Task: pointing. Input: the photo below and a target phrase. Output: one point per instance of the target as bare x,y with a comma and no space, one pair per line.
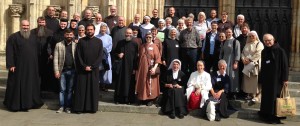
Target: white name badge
229,45
268,61
218,79
115,22
176,46
179,79
150,48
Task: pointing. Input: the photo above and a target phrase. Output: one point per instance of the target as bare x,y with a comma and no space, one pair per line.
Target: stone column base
295,62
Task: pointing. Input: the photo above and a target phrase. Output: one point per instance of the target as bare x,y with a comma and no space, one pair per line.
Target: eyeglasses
148,37
80,30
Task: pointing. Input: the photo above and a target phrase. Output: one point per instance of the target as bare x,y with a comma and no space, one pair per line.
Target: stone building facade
13,11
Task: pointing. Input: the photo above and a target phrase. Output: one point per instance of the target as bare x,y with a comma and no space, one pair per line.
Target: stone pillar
71,8
16,10
229,6
94,9
295,47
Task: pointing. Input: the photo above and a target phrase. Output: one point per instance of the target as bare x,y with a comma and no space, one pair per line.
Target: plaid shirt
59,56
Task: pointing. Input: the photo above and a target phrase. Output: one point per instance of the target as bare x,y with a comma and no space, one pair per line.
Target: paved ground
45,117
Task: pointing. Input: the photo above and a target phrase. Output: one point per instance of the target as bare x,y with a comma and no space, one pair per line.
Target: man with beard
126,53
64,69
88,57
43,34
23,88
57,37
87,18
117,34
51,22
112,19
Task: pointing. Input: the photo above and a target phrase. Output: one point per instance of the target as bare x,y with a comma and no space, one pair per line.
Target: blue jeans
66,87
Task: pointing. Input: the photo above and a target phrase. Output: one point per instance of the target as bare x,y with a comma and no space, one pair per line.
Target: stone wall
13,11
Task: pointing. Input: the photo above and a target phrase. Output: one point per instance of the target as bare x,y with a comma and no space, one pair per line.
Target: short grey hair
81,26
240,16
191,15
180,21
168,18
222,62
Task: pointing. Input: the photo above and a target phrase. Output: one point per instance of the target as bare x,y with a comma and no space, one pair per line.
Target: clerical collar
220,73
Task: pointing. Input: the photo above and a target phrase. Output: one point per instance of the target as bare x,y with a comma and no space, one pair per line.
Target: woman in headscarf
199,83
146,27
147,79
106,73
170,48
251,57
174,100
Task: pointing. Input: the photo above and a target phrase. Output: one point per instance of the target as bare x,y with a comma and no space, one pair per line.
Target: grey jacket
59,55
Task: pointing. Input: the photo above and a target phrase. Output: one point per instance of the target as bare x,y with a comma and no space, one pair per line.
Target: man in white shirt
240,19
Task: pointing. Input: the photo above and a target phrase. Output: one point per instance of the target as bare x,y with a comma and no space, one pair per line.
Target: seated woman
173,100
220,81
199,83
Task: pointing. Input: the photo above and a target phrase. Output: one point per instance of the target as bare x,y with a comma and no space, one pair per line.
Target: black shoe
180,116
150,103
128,103
217,119
116,103
172,116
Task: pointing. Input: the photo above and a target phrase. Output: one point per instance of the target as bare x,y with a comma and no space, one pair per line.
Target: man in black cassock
126,54
88,57
87,18
112,19
51,21
273,76
43,35
117,34
23,87
52,83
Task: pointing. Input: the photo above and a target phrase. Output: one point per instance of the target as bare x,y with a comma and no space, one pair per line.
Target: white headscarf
255,34
171,64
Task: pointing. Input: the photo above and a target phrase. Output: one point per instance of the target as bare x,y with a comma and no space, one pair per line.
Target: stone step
294,92
106,105
294,85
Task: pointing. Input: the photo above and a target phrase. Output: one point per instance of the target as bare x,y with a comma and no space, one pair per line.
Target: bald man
23,85
98,22
88,14
273,76
51,21
112,19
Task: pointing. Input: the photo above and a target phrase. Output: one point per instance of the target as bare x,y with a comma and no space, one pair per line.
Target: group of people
178,57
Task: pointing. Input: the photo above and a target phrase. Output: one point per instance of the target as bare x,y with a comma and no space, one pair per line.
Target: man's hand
12,69
50,57
198,92
57,75
88,68
121,55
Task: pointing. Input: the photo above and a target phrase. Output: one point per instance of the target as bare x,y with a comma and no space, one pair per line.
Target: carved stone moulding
16,9
94,9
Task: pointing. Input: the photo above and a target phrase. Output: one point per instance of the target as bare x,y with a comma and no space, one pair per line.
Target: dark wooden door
268,16
184,7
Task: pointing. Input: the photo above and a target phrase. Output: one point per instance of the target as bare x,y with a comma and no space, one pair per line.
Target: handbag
194,101
157,70
285,105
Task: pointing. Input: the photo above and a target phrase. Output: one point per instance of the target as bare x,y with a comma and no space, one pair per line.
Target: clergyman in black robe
88,57
273,76
51,21
43,35
52,83
126,55
23,87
